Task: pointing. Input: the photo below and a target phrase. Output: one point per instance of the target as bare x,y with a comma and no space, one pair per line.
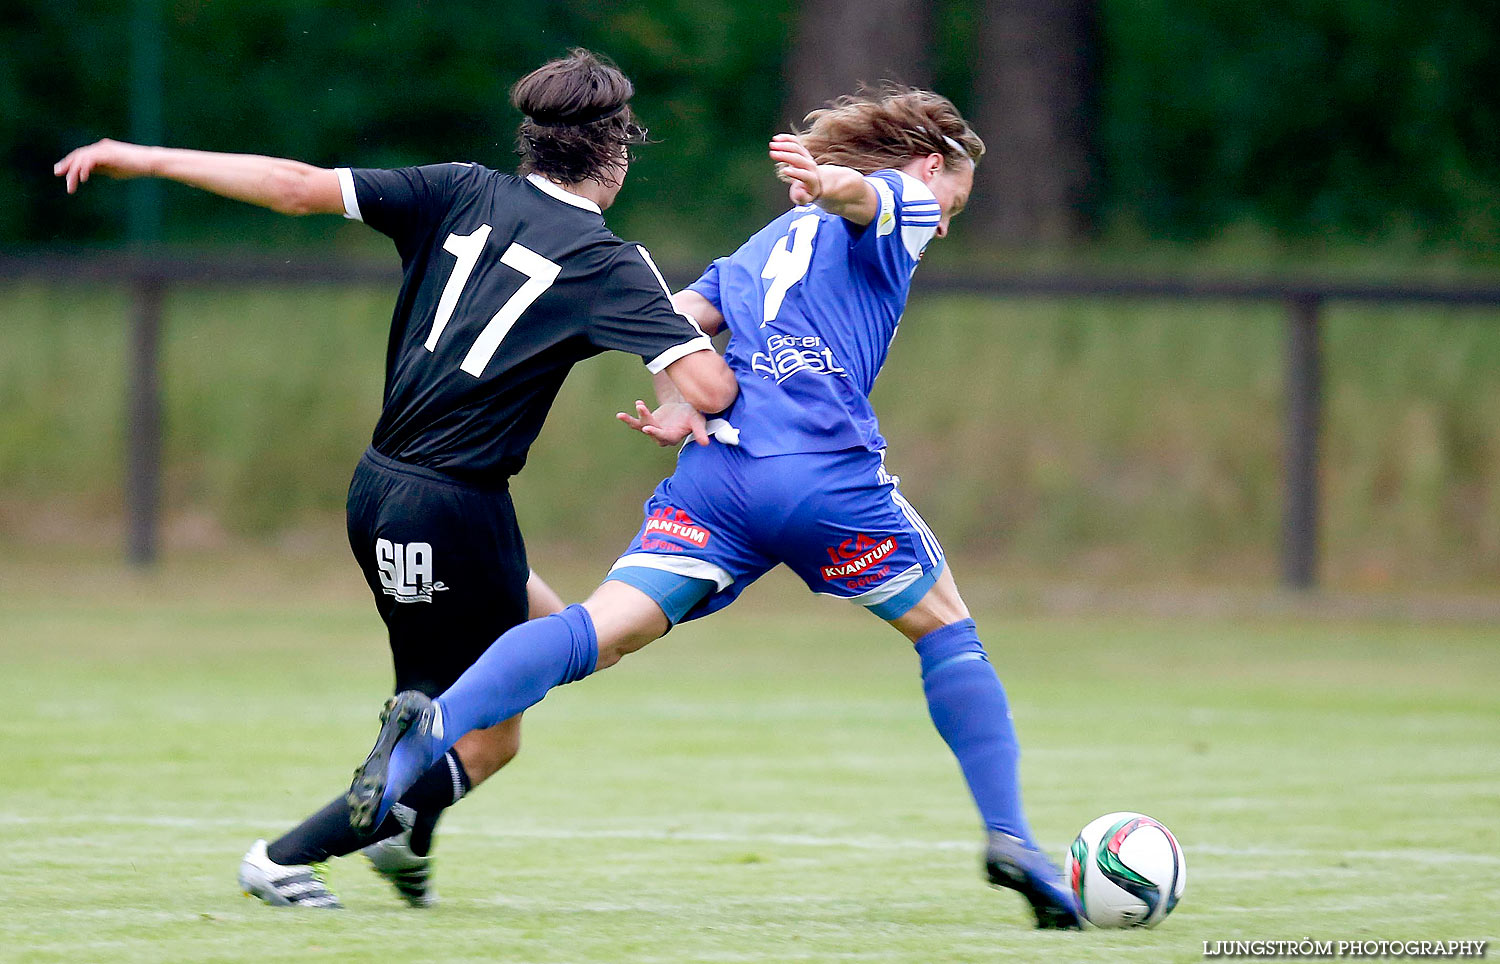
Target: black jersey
508,282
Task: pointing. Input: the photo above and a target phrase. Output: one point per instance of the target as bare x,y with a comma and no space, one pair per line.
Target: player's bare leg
541,599
625,621
401,849
942,606
404,860
516,672
970,710
485,752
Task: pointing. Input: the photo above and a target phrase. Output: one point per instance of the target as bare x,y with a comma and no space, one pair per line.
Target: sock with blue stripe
514,673
969,708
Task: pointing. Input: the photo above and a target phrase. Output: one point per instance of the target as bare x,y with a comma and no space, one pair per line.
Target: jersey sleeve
907,219
634,313
707,285
404,202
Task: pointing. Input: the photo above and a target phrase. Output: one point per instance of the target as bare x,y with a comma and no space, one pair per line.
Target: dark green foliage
382,83
1321,118
1344,119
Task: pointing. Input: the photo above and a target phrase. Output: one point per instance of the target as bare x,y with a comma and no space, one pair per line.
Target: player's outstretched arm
837,190
286,186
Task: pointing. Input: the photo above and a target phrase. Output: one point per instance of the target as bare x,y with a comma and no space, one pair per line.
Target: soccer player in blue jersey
795,473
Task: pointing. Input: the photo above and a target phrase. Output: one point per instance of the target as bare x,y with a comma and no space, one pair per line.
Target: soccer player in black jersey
509,280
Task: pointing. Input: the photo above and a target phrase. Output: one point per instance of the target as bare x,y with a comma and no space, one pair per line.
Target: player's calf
485,752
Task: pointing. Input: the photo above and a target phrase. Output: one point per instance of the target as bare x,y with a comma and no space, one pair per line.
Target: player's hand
115,158
795,165
669,424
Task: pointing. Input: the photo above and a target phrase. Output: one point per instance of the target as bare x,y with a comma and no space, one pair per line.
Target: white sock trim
456,774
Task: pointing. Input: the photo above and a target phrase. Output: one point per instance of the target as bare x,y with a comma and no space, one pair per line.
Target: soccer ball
1126,871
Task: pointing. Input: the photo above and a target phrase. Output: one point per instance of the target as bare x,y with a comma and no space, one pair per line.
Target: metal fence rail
149,278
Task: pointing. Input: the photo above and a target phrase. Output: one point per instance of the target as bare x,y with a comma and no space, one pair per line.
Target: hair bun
549,118
578,125
581,88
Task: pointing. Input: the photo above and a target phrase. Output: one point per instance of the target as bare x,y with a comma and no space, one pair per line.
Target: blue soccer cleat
377,784
1011,862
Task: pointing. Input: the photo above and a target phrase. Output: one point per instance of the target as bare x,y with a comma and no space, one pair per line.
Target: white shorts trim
930,544
886,590
678,565
929,541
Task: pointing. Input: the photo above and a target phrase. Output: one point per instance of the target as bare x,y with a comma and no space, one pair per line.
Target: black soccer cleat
1009,862
367,790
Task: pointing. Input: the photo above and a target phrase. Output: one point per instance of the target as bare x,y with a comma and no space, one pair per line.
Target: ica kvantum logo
406,571
675,523
853,556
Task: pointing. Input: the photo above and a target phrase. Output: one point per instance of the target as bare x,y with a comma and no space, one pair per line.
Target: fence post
143,431
143,404
1304,396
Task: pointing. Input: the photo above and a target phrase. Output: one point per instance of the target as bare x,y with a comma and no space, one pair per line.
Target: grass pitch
763,786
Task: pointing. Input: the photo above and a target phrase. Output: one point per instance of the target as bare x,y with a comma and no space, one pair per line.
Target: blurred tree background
1119,438
1360,120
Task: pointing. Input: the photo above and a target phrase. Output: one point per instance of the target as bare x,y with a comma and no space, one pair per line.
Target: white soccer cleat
408,872
294,885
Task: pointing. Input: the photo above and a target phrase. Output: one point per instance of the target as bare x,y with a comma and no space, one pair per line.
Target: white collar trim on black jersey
562,194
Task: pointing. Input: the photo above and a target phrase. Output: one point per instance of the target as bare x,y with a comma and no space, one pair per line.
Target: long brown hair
888,126
578,120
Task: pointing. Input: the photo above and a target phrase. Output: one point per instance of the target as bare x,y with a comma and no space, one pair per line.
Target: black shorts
445,562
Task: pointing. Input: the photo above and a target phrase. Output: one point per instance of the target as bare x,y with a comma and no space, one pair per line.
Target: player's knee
941,606
625,620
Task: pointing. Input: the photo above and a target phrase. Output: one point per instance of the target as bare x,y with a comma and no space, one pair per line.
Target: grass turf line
760,788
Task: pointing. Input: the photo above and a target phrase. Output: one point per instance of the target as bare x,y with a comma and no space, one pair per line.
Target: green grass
1124,439
763,786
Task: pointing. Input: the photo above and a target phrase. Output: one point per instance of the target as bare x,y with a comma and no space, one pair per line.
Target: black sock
443,785
327,833
428,800
421,832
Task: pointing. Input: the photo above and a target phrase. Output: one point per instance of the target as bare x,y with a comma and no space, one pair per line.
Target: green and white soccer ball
1126,871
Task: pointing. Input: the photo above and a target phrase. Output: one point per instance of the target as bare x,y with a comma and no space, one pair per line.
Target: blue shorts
725,518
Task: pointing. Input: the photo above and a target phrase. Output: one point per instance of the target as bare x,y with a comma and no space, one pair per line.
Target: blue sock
969,708
514,673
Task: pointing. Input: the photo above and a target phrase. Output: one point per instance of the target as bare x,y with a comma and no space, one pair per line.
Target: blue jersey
812,302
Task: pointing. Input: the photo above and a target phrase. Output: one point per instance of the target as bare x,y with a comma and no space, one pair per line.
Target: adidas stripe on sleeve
906,221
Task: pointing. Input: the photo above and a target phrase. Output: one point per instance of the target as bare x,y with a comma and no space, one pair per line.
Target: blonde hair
888,127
